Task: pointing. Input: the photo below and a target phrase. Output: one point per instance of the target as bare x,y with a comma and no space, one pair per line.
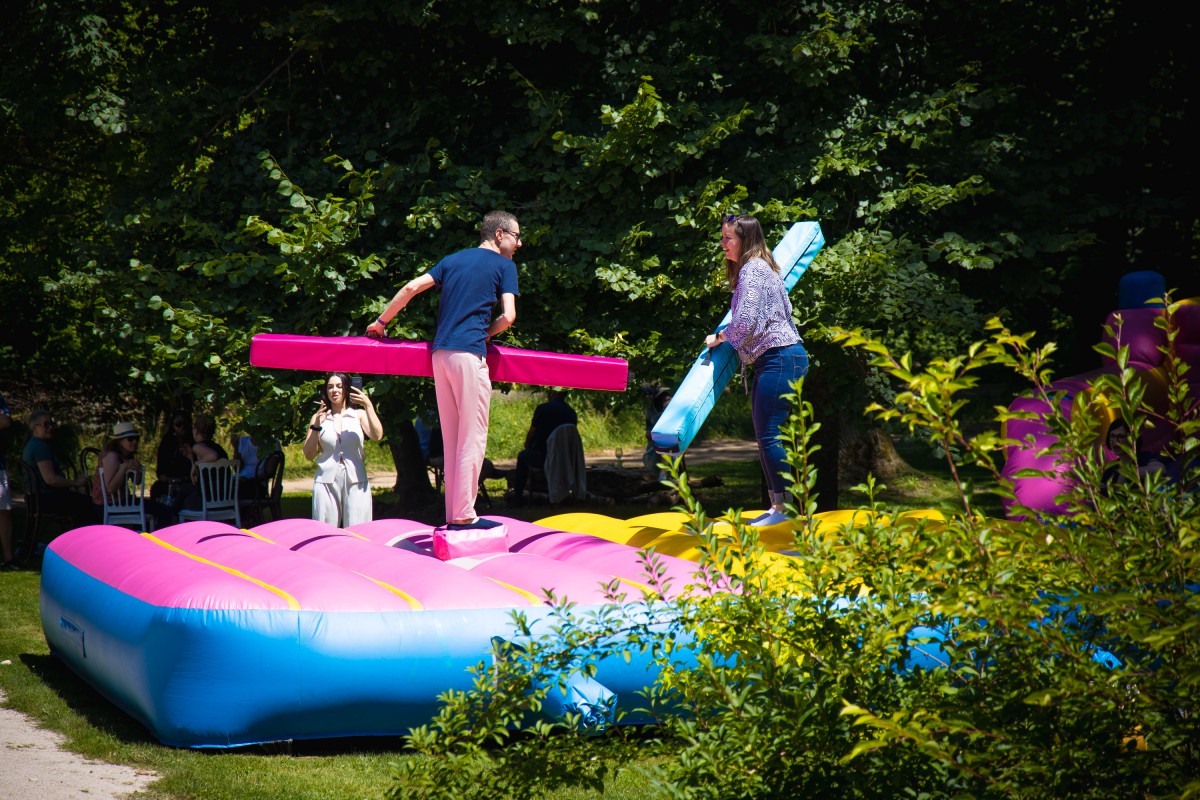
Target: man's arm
407,292
508,315
46,468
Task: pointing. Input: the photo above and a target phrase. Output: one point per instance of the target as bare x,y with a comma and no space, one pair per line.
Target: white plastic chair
126,507
218,493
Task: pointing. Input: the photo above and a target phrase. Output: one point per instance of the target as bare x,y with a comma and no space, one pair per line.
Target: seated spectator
660,396
250,465
430,441
1116,441
118,459
202,450
6,545
173,468
54,489
546,417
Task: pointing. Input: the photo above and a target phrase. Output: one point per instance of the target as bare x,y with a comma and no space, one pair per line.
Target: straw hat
124,430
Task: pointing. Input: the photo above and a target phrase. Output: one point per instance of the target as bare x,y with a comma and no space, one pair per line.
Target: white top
341,444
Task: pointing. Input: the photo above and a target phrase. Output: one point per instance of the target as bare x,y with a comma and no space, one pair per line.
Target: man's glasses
516,235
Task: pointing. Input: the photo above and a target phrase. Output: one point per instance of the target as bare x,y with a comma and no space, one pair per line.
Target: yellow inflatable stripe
292,602
530,596
413,602
639,586
258,536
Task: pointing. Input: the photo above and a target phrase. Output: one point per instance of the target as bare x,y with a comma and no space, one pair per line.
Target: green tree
963,161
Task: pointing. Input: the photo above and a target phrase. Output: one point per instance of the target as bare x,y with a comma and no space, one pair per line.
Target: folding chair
126,507
218,493
36,514
88,458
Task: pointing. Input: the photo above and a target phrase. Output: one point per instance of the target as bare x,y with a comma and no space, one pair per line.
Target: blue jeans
773,371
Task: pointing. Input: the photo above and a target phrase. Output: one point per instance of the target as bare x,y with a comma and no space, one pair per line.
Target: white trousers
342,503
464,397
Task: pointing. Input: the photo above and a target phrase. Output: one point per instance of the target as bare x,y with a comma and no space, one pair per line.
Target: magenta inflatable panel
1137,330
400,357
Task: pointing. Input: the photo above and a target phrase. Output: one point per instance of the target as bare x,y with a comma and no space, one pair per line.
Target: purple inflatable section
1136,329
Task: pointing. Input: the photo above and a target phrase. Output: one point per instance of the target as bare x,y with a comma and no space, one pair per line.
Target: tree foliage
183,177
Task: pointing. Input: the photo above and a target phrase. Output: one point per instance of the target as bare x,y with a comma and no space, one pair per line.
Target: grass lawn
38,685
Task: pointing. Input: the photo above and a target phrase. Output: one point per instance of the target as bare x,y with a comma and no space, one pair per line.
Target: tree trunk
872,452
827,412
412,488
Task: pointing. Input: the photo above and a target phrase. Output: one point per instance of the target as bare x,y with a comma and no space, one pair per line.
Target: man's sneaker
479,524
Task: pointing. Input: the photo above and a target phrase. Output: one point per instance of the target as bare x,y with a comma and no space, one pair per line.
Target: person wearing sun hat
117,460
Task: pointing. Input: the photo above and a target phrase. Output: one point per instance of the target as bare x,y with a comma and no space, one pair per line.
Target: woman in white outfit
335,439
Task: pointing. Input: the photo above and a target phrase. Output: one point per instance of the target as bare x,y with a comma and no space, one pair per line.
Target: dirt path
700,453
34,767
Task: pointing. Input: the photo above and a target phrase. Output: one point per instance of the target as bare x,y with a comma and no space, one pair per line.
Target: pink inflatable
1137,331
399,357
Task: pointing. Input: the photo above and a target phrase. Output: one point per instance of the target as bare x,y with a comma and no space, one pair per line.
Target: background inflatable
1134,327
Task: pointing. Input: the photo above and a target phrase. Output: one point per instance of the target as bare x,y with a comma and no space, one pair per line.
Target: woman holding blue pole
765,338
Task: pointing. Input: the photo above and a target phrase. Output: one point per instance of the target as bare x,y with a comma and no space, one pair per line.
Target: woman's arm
114,472
312,441
367,417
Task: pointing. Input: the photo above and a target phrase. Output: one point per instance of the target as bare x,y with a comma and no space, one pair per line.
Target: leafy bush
899,657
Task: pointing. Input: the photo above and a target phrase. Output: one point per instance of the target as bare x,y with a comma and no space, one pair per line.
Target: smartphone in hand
356,381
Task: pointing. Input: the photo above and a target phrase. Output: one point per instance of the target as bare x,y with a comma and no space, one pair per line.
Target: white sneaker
769,519
759,518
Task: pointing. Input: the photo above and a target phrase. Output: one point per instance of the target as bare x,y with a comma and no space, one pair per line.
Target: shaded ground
705,452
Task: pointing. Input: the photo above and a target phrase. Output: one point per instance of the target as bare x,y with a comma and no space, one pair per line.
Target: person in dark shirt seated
55,490
173,468
546,417
1117,443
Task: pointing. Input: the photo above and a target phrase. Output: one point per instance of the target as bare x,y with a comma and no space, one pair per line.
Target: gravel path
34,767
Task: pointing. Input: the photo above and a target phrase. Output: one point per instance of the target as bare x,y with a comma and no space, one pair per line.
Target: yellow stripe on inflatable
639,586
528,595
413,602
292,602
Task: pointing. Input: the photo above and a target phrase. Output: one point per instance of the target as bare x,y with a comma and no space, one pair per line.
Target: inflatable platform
215,637
712,369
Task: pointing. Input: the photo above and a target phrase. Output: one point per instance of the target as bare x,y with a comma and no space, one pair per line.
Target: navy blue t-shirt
471,282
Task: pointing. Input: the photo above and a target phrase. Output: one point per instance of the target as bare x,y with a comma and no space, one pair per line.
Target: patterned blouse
762,313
